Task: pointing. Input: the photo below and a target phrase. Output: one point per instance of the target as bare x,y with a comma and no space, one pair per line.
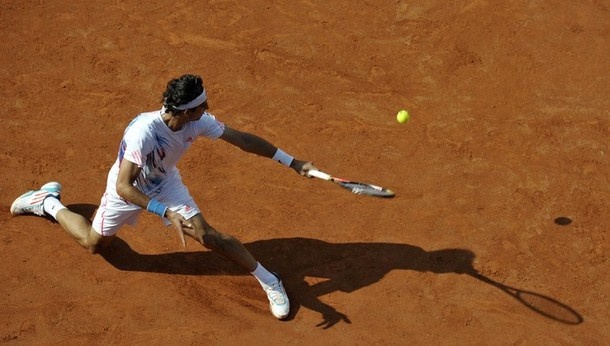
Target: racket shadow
541,304
312,268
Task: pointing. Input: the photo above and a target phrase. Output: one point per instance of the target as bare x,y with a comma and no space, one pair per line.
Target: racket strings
367,189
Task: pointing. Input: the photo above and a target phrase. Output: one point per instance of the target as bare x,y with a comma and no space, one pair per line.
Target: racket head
365,189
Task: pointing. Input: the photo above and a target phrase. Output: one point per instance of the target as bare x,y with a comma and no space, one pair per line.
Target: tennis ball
402,116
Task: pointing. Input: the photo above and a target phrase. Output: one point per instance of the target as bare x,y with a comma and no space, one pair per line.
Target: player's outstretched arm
254,144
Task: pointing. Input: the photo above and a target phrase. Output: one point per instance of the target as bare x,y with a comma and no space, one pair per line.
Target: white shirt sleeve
209,126
136,146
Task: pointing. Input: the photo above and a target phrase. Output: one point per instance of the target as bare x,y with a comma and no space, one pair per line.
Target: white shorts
114,211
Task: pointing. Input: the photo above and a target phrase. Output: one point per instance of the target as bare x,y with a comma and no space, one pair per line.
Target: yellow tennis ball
402,116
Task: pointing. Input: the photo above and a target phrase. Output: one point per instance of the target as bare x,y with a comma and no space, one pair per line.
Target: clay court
501,175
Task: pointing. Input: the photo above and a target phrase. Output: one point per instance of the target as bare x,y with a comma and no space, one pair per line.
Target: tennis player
144,176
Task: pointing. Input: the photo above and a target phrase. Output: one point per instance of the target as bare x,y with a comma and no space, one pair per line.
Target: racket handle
320,175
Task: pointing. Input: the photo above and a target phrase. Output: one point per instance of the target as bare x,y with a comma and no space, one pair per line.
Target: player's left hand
179,223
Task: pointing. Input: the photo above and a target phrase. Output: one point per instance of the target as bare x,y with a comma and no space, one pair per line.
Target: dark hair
182,90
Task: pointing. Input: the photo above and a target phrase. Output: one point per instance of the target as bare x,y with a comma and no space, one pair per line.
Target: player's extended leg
224,244
46,201
234,250
81,230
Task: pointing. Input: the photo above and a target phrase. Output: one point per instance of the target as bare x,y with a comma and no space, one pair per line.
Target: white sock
52,206
263,275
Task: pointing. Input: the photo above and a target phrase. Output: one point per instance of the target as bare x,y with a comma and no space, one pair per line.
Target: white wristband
282,158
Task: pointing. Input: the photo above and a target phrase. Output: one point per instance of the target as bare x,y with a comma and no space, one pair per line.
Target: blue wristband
156,207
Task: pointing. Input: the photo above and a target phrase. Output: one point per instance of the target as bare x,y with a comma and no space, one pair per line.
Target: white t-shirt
155,148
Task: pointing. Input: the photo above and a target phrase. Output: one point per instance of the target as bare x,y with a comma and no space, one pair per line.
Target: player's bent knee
210,240
97,242
216,241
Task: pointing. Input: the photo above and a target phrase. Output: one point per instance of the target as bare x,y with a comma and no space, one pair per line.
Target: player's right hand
302,167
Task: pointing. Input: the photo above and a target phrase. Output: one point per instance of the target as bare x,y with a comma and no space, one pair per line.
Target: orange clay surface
509,130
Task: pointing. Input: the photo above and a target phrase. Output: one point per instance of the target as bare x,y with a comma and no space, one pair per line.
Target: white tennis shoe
278,299
31,202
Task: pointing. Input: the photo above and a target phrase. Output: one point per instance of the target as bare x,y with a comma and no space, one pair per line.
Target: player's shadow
84,209
344,267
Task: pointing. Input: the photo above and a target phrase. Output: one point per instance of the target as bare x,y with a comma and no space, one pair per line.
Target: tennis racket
354,186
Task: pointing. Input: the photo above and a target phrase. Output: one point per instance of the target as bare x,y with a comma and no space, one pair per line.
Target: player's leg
82,231
224,244
46,201
177,197
233,249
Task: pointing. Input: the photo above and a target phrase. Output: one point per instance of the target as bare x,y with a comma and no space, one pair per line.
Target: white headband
196,102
